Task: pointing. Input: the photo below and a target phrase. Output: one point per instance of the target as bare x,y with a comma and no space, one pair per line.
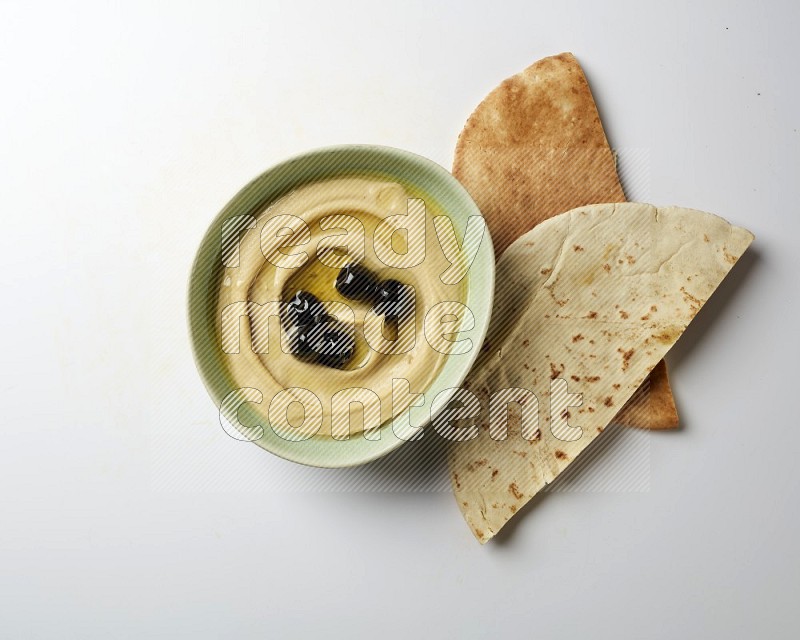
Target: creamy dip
300,242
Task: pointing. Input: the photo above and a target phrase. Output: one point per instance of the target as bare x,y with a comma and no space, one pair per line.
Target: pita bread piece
588,303
534,148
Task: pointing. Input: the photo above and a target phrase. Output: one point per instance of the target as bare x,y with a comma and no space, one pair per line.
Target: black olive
326,343
334,347
301,344
394,300
356,282
303,309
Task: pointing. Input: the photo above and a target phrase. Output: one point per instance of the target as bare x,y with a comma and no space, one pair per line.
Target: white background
128,513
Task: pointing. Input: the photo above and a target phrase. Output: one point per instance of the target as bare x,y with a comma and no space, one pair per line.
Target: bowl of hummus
338,301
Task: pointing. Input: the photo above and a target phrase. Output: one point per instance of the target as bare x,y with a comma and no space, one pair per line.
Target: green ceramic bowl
419,174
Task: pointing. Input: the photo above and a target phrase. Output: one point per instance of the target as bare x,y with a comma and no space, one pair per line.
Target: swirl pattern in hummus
300,241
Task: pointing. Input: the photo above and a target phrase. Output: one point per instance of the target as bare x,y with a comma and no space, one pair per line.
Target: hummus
300,242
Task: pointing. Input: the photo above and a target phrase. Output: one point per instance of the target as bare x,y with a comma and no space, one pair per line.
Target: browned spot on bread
607,267
668,336
653,308
577,338
514,490
561,455
623,314
525,343
455,478
695,303
576,378
609,401
494,473
592,378
616,385
546,271
646,316
555,372
626,357
577,248
630,259
731,259
591,315
599,429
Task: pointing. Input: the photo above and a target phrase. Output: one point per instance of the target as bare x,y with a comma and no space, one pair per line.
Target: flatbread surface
591,300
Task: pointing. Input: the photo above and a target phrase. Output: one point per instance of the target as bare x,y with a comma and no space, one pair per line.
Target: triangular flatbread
534,148
593,298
